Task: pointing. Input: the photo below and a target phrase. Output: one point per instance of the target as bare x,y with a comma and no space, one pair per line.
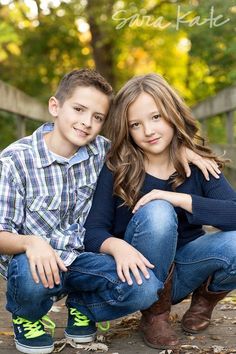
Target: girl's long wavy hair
126,159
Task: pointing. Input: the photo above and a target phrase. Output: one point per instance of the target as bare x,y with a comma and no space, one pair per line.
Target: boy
46,185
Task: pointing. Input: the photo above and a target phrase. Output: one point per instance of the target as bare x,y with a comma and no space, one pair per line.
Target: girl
146,211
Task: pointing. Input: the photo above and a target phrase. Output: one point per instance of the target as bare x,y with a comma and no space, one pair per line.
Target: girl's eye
156,117
134,125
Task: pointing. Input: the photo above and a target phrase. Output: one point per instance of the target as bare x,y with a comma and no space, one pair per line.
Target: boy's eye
78,109
99,118
156,117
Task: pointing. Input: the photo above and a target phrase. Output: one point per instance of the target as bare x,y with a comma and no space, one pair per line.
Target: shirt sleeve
11,200
217,205
99,222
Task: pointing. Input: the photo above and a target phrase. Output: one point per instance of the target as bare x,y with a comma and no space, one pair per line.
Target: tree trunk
99,15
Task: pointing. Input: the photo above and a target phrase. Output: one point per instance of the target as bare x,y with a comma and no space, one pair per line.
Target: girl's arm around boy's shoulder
214,203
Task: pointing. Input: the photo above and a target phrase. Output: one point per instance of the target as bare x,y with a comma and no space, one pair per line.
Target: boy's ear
53,106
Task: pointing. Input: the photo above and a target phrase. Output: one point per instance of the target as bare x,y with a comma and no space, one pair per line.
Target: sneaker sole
34,350
86,338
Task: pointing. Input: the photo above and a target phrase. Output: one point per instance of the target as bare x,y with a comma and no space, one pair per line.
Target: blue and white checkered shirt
44,195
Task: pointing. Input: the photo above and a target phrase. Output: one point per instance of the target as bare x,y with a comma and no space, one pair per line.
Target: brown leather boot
198,316
155,327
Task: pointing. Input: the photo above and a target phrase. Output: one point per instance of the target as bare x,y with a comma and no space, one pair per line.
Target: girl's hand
181,200
205,165
127,259
44,262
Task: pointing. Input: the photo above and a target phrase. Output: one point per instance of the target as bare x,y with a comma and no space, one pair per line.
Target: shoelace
105,328
34,329
83,321
80,319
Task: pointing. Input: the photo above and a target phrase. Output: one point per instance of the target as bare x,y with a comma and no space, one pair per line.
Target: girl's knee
144,295
159,212
158,217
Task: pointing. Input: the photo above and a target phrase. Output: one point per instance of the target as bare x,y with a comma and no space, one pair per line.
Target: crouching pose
47,182
145,208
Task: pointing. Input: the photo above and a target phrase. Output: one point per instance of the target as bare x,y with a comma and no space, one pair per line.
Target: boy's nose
86,121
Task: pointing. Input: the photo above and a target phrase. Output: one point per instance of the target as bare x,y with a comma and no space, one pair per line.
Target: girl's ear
53,106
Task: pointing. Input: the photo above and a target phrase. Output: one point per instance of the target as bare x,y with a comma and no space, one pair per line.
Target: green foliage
8,128
39,44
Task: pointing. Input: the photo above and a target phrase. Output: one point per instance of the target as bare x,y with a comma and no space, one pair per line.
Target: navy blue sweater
213,203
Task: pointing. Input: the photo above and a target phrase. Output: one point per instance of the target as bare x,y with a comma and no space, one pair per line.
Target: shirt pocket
42,202
84,195
43,213
85,192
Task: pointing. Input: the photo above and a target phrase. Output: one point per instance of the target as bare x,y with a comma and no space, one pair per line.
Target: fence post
230,127
20,126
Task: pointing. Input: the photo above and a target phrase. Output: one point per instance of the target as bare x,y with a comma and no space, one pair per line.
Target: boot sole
159,346
193,331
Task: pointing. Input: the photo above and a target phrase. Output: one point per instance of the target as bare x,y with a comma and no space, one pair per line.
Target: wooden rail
23,106
223,103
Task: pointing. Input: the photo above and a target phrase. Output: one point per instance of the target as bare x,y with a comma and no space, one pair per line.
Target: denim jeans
92,286
153,231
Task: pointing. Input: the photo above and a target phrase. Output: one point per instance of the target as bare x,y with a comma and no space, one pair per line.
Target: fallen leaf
189,346
217,348
55,308
3,333
60,345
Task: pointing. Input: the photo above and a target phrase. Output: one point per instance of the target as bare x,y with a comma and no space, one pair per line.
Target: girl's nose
148,131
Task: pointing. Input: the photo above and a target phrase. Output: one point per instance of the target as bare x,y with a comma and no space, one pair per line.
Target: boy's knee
21,284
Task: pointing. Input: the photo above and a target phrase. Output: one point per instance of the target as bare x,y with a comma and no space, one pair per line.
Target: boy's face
78,120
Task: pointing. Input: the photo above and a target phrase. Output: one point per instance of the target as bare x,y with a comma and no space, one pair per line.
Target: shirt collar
45,158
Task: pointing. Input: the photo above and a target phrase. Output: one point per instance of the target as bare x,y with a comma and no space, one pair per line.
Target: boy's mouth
80,132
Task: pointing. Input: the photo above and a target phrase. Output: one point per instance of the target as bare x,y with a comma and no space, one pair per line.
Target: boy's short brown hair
84,78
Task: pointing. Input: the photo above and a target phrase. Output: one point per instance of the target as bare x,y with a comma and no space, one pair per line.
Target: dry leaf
189,346
55,308
5,333
217,348
94,346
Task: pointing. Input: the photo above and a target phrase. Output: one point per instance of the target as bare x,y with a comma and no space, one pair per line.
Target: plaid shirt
43,195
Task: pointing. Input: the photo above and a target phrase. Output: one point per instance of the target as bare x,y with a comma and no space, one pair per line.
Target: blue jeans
153,231
92,286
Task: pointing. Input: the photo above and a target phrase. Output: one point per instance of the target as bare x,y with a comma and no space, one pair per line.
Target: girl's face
151,132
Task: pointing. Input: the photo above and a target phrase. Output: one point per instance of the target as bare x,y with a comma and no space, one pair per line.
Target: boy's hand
127,259
205,165
44,262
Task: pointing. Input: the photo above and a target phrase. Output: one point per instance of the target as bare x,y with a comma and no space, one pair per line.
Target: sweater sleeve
99,222
216,206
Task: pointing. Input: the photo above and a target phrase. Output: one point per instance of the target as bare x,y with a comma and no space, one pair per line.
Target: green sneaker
79,328
30,337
